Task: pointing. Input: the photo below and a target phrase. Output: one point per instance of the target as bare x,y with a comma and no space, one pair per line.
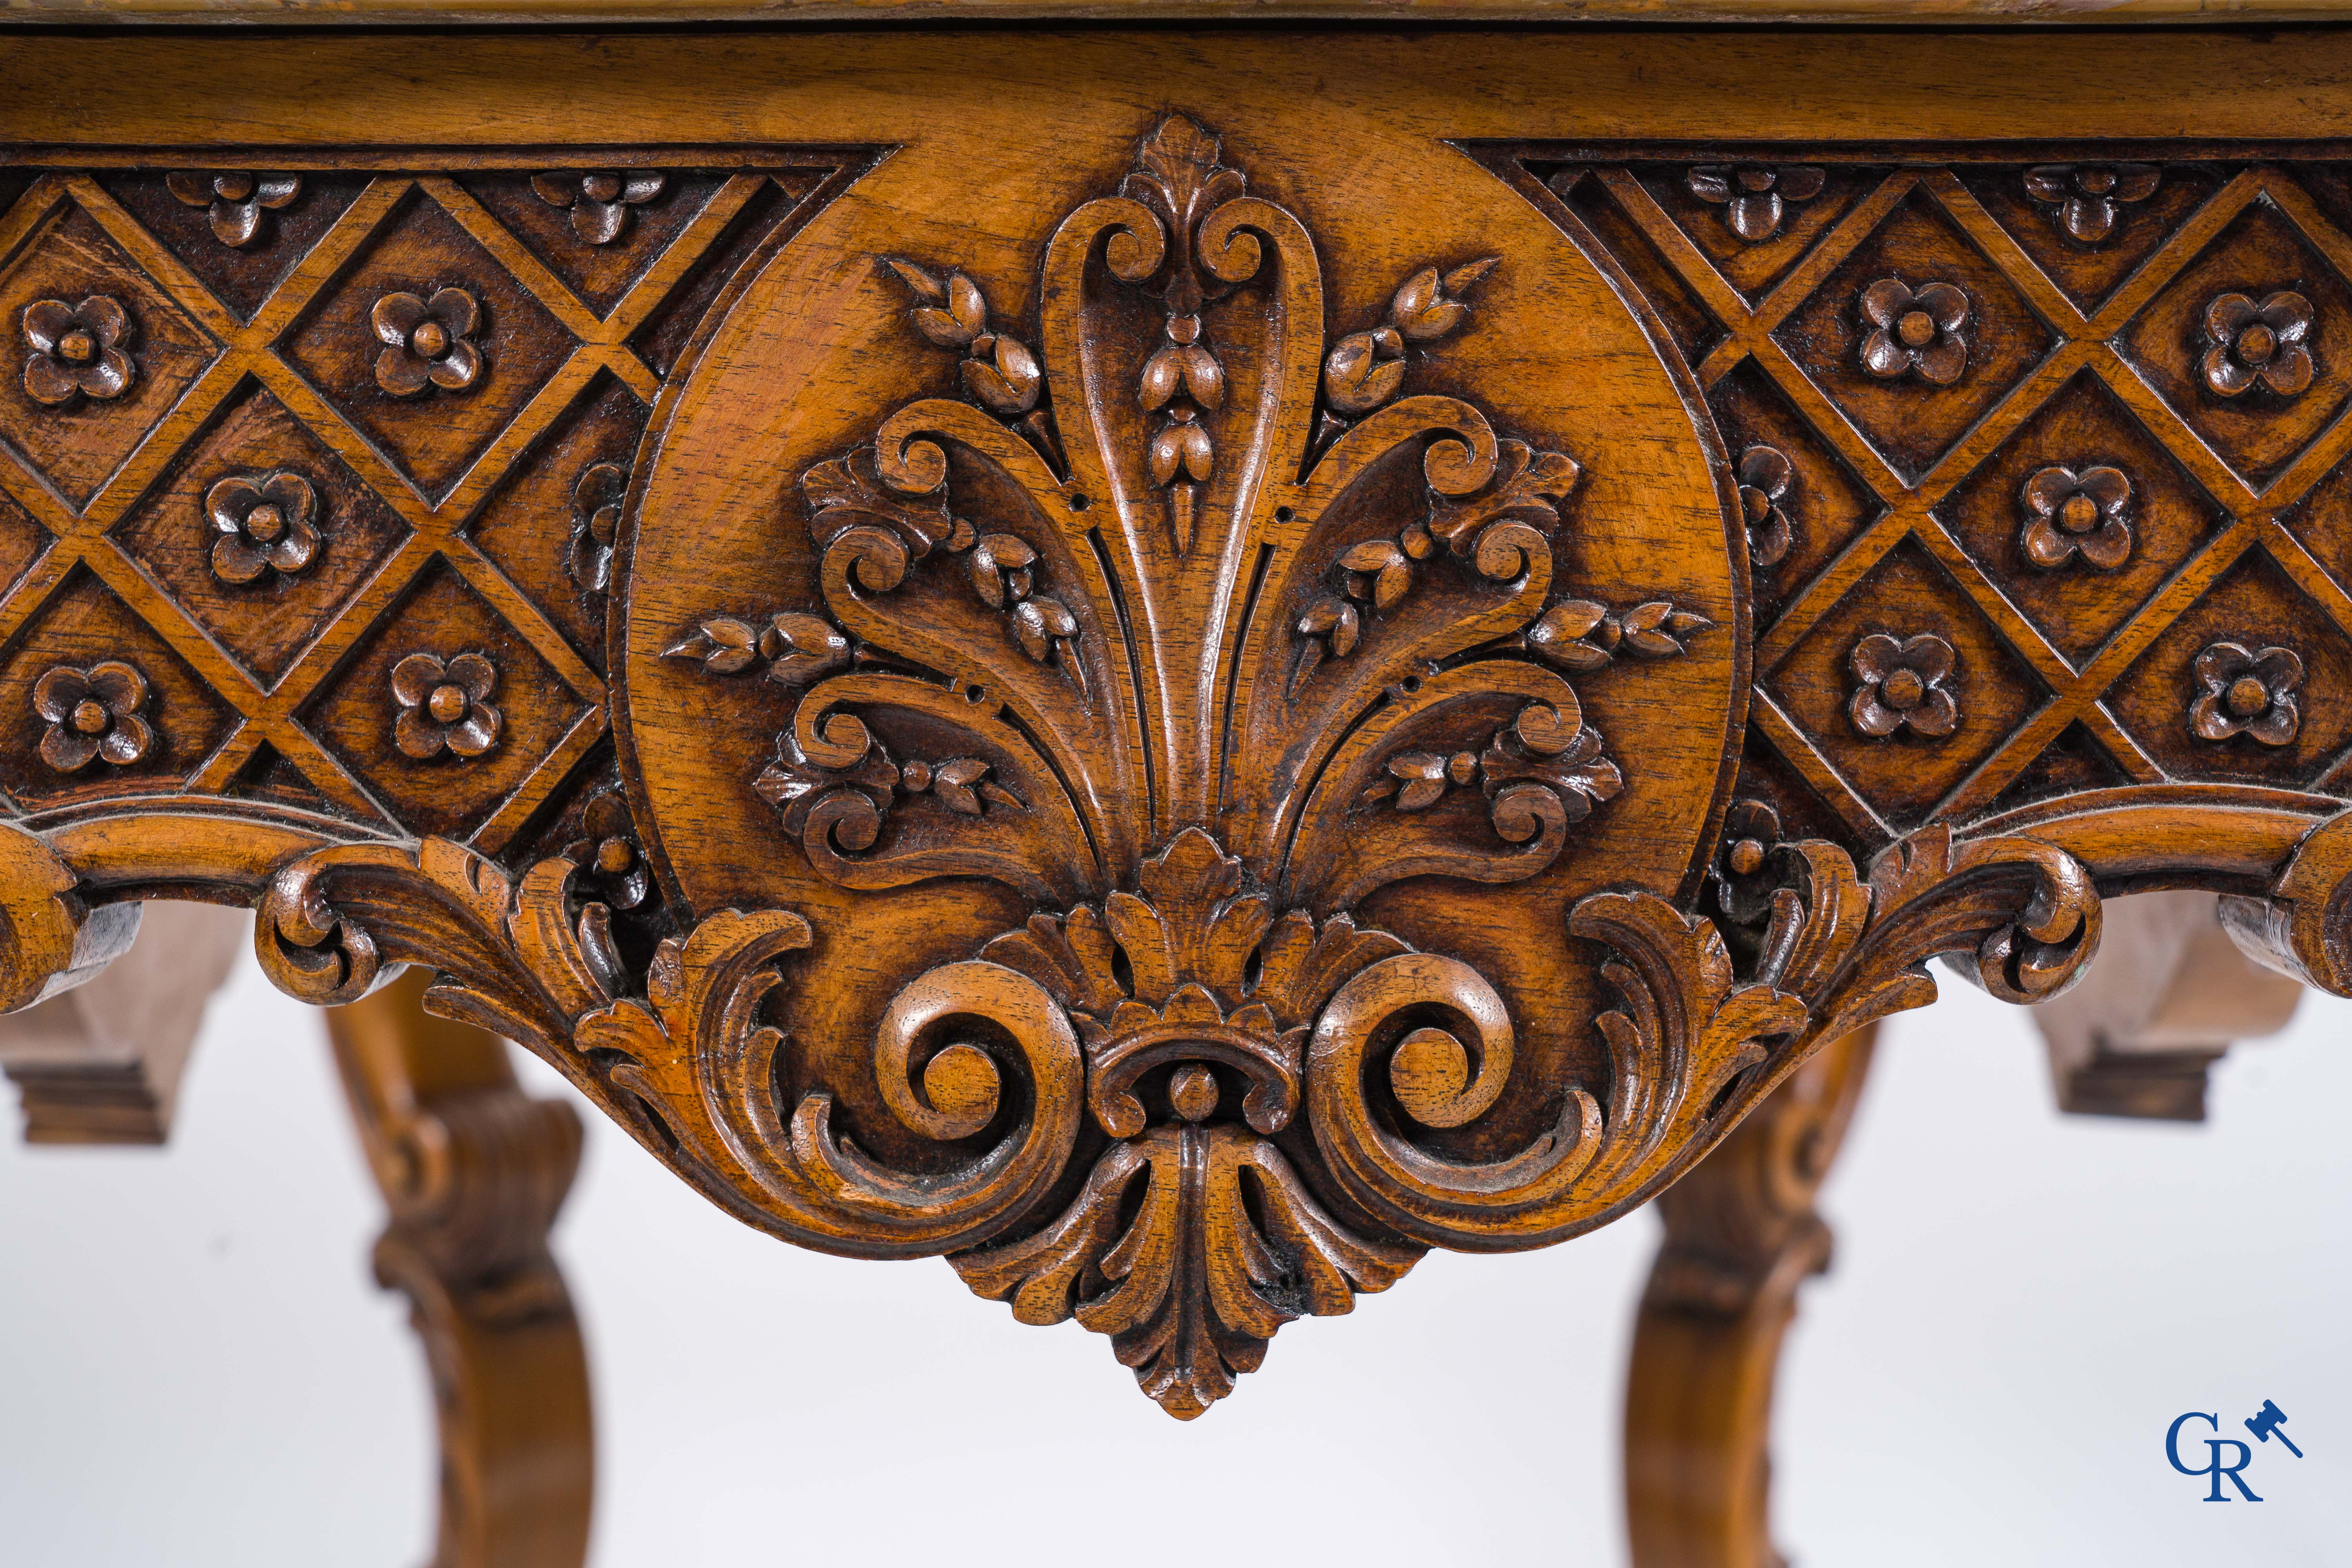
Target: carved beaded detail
595,517
444,706
1905,684
266,523
1752,195
427,342
2248,343
78,349
600,199
236,198
1765,478
2070,515
607,852
1915,332
2241,692
93,713
2085,199
1741,873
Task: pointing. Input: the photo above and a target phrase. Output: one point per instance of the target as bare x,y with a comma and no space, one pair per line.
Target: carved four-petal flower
444,706
600,199
2248,343
2085,197
236,197
595,518
1915,332
1766,476
93,712
2241,692
1905,684
2069,513
1752,195
1741,871
265,522
607,855
427,342
78,349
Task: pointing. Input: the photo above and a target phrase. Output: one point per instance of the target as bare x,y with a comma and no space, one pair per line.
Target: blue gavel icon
2265,1425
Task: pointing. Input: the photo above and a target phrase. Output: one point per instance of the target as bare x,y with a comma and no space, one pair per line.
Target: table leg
1741,1236
473,1171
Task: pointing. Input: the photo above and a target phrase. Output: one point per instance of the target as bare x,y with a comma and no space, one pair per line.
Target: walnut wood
473,1171
1366,648
1741,1237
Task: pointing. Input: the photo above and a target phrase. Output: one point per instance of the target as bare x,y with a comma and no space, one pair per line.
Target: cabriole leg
1741,1236
473,1171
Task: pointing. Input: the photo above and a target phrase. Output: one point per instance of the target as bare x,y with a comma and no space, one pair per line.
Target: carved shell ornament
1180,784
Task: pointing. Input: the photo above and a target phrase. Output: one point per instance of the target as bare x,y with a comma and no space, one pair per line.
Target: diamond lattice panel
264,613
171,723
241,275
2150,509
449,793
2258,428
2254,605
1943,368
2088,227
557,567
434,433
75,443
599,231
1755,221
1902,776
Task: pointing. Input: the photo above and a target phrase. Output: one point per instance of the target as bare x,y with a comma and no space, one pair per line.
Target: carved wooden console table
1172,664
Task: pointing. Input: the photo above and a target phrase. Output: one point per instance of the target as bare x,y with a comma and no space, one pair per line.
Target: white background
195,1368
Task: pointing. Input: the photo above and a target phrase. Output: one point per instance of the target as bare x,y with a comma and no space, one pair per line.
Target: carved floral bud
600,199
1752,195
1915,333
78,349
1180,447
951,314
427,342
1904,684
1765,479
1187,367
1041,625
2069,513
800,648
595,519
2245,693
1741,871
93,713
1000,566
1378,573
236,198
1422,777
1424,310
2085,196
607,854
444,706
265,525
1334,620
1364,370
1008,381
1580,634
2249,344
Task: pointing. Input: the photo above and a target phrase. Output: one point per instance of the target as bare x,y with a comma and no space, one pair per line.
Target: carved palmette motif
1194,1096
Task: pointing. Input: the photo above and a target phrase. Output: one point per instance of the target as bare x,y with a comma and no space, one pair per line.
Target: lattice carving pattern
2082,330
157,525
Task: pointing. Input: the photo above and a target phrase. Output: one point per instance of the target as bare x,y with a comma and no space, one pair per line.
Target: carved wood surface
1181,715
473,1171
